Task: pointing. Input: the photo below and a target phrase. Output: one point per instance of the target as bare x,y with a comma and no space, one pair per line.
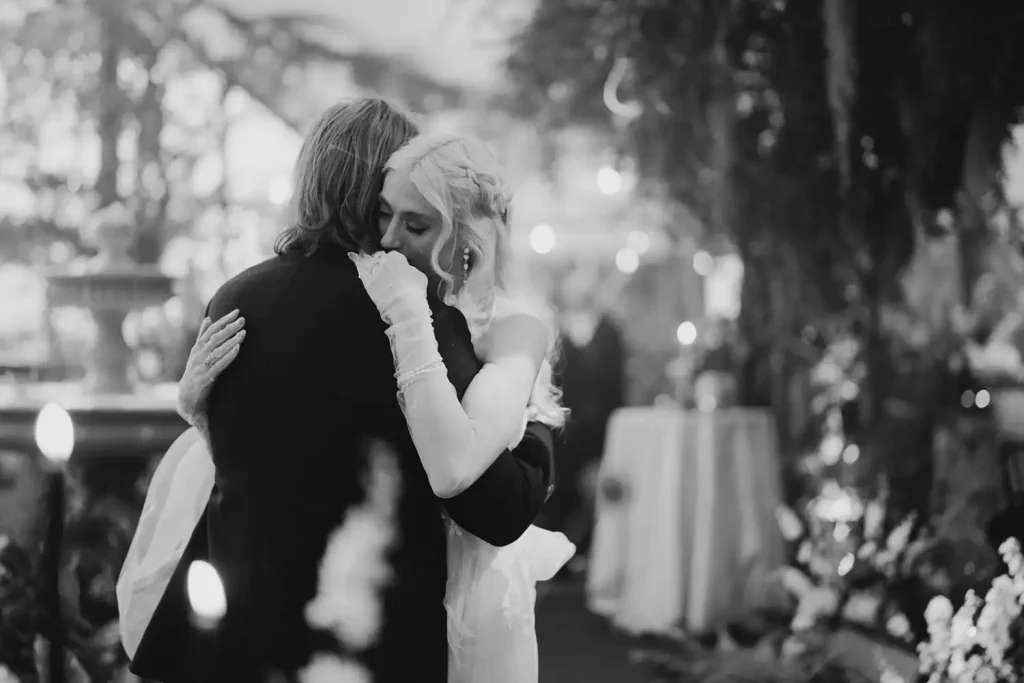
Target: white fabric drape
694,535
177,495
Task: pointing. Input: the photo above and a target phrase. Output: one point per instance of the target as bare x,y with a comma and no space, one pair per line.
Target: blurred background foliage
852,155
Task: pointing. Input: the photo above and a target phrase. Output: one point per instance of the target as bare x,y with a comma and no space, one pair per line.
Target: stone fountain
114,418
119,425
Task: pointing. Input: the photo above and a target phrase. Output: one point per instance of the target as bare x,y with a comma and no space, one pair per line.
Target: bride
444,213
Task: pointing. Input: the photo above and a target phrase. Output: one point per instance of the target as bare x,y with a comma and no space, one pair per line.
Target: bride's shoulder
515,323
506,306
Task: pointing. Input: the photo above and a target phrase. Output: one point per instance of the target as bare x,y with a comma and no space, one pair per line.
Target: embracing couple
388,315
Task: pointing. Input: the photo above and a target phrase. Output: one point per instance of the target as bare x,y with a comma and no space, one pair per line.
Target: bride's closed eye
387,216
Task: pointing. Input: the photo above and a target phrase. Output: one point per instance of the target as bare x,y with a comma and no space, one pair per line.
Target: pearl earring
465,262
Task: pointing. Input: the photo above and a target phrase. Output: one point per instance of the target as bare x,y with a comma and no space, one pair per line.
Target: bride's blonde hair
460,178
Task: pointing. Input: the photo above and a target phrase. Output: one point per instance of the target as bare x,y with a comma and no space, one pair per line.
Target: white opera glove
400,293
437,422
397,289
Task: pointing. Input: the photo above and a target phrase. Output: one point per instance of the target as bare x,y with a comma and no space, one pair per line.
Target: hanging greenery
827,142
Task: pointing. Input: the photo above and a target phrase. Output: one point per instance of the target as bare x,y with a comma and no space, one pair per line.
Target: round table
685,522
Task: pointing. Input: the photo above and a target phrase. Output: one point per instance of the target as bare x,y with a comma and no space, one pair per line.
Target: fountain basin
108,290
109,294
108,427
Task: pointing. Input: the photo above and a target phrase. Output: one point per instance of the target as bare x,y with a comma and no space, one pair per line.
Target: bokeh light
686,333
982,399
280,191
543,239
206,591
627,260
55,433
639,241
609,181
703,263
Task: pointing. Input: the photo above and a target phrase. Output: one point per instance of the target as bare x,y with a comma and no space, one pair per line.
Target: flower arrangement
23,648
97,533
981,642
856,563
353,573
19,614
846,561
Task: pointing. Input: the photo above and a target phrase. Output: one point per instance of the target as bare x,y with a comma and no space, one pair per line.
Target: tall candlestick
54,544
55,438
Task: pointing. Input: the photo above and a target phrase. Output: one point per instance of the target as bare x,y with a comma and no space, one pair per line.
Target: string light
627,260
703,263
609,181
982,399
831,449
686,333
543,239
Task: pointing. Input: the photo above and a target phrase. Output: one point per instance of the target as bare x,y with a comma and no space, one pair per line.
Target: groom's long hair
339,175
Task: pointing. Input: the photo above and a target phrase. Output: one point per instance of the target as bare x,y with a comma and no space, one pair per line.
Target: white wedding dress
490,599
490,594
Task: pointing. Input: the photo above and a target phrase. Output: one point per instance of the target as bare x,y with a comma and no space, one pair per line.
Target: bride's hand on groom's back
216,346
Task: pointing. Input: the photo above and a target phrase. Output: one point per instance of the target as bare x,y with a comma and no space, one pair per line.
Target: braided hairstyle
462,180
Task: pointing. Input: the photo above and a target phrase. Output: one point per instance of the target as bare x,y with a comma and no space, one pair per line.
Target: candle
206,595
209,604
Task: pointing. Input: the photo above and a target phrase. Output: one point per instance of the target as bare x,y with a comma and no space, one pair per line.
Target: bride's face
411,226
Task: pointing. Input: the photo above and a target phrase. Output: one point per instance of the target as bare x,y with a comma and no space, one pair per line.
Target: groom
289,420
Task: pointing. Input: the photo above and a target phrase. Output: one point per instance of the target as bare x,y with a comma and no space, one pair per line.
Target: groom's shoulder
253,279
327,271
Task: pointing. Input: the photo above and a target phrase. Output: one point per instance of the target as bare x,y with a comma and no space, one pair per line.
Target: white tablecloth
693,535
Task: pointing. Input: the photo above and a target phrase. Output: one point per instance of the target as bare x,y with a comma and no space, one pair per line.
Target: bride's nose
390,239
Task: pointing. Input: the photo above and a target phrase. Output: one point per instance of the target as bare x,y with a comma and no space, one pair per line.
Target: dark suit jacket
289,423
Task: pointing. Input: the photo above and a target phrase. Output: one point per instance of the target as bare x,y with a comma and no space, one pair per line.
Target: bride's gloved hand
397,289
216,347
400,293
